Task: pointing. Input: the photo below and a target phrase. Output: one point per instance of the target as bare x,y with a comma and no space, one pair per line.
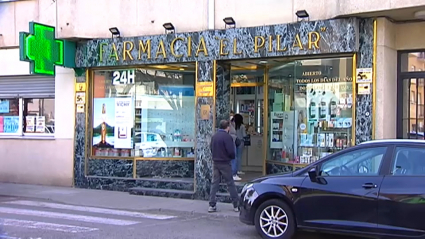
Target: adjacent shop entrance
411,95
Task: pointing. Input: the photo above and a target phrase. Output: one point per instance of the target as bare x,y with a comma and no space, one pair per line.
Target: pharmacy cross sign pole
43,51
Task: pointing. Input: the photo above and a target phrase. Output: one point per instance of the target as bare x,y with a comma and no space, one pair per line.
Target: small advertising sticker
79,87
80,108
41,123
205,112
363,89
80,98
30,121
364,75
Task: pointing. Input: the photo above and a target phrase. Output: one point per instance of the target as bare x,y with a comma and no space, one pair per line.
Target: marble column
204,132
222,101
80,153
364,103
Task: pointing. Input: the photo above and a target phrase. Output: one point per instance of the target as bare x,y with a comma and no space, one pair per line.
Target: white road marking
66,216
90,209
7,237
45,226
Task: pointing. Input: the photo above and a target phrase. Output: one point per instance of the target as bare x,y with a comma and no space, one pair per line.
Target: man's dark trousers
223,169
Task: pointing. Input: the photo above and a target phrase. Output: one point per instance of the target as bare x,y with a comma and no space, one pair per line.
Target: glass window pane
311,109
144,112
406,98
413,61
9,116
243,72
39,116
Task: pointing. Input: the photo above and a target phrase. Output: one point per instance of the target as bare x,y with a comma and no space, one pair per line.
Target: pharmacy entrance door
247,97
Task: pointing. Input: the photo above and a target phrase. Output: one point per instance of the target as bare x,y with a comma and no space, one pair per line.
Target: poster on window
1,124
30,124
123,123
104,122
10,124
41,124
4,107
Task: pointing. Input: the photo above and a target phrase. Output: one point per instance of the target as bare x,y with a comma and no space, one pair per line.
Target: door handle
369,185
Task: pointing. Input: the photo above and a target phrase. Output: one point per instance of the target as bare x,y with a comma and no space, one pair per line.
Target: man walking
223,152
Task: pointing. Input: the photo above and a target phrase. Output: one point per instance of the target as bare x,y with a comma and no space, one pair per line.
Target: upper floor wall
92,19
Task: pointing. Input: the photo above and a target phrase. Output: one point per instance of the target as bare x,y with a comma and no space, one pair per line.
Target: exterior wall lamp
302,14
115,32
169,28
229,22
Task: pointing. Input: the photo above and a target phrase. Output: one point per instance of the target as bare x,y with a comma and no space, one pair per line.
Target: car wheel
274,219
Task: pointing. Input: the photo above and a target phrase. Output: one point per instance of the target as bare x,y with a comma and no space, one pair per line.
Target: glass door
413,108
247,99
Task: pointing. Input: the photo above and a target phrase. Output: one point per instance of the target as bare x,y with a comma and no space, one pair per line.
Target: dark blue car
373,189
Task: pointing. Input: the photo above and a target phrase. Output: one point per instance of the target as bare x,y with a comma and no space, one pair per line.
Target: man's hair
224,124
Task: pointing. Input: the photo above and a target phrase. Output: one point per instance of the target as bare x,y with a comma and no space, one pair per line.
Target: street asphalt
36,212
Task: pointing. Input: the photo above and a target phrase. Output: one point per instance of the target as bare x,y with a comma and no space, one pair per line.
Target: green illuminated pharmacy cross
41,49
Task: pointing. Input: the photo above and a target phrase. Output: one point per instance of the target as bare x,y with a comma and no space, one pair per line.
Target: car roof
394,141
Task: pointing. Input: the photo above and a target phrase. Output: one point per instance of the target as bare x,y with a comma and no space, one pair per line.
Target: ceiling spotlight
229,22
115,32
169,28
302,14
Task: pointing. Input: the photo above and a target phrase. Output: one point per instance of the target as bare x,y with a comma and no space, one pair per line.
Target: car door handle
369,185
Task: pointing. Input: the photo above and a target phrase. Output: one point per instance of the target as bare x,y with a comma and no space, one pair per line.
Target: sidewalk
110,199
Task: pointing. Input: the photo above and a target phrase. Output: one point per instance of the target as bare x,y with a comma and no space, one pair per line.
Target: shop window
145,113
27,117
39,116
310,109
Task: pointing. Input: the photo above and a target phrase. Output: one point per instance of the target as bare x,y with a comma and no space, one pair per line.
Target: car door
345,194
401,205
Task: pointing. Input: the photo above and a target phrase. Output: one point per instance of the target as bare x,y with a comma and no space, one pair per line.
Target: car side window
152,138
359,162
409,161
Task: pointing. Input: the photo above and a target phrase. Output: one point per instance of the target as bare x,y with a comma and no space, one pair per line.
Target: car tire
274,227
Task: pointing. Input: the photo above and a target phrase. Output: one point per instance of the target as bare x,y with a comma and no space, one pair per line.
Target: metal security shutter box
27,87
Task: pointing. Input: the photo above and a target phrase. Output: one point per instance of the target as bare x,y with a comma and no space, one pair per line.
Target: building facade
149,102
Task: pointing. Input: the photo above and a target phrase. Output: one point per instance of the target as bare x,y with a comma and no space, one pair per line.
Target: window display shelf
181,144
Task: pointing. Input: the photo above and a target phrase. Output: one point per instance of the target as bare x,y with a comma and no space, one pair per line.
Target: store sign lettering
325,80
125,77
144,47
123,103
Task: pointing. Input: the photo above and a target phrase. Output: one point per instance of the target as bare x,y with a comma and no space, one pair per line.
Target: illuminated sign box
43,51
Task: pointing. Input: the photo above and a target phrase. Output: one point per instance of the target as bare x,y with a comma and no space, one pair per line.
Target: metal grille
27,87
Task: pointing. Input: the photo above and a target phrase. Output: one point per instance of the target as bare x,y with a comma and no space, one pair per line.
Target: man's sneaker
212,209
237,178
236,209
241,173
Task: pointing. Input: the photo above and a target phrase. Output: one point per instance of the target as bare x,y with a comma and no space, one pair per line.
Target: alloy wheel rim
273,221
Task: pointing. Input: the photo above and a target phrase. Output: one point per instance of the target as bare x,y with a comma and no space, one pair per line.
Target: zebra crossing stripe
66,216
90,209
45,226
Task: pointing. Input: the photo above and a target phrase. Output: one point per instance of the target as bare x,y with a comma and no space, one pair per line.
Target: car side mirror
312,173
